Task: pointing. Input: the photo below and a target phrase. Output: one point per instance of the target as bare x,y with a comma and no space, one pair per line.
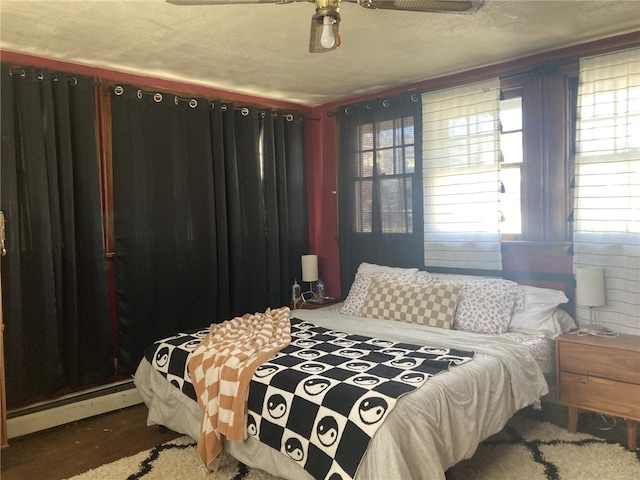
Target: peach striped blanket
221,368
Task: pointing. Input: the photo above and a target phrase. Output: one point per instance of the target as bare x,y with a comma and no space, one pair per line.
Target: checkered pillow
433,304
360,287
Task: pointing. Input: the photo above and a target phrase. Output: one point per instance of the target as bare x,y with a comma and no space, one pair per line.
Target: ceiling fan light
327,40
324,32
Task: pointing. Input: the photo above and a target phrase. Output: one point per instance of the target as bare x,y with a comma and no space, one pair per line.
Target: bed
430,428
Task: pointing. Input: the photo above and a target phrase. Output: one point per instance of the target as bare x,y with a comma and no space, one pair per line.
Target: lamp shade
309,268
590,286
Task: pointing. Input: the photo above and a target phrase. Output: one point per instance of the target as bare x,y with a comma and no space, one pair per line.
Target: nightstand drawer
600,394
615,364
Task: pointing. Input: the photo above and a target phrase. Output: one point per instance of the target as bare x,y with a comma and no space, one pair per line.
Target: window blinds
461,176
607,194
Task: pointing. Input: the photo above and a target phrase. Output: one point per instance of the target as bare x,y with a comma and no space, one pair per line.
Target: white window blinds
461,151
607,184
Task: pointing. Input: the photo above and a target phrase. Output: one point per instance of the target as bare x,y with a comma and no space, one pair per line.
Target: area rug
525,449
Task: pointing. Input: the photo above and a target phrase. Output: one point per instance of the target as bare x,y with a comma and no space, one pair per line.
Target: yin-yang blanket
321,399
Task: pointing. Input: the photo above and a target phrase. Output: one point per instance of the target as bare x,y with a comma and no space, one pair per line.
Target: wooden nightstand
312,306
602,375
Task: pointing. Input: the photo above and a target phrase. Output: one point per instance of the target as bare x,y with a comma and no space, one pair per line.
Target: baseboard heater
71,408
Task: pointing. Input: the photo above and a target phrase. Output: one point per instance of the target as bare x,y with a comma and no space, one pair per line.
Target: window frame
548,124
376,178
515,91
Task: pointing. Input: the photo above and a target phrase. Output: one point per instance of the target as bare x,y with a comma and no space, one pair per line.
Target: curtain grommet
118,90
157,97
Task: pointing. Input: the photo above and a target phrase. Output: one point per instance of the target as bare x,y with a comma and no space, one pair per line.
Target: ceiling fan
324,23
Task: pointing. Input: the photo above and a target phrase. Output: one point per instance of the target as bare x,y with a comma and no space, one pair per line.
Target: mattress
541,348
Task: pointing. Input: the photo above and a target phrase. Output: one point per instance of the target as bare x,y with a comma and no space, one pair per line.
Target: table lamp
310,270
590,290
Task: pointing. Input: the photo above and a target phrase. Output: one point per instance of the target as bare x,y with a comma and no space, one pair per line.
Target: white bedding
428,431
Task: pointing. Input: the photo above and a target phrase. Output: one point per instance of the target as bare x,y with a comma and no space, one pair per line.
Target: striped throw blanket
221,368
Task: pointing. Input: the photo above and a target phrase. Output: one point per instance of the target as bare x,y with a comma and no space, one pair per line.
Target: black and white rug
524,449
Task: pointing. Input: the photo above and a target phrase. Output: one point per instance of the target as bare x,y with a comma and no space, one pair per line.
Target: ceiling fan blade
316,42
438,6
228,2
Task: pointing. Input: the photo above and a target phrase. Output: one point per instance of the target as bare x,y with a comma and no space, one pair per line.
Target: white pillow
540,304
563,321
457,276
369,268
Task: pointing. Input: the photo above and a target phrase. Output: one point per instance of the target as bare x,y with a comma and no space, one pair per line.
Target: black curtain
358,123
203,226
54,274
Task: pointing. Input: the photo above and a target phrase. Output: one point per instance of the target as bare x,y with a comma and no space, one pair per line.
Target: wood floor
68,450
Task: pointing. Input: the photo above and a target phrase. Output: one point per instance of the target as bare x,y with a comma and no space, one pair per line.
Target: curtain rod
23,73
540,67
193,102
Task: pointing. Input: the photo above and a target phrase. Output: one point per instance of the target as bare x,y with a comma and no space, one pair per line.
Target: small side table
300,305
601,375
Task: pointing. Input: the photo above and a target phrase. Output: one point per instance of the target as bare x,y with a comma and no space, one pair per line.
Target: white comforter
428,431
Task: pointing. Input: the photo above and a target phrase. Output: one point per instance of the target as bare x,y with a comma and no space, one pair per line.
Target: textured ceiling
262,49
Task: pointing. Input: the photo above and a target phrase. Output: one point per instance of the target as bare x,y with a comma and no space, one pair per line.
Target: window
380,184
461,165
385,163
536,106
537,113
607,206
511,147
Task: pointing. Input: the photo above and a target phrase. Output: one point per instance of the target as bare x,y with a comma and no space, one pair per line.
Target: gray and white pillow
423,304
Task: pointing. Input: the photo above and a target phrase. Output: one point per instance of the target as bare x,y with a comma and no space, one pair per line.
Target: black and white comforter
322,398
427,432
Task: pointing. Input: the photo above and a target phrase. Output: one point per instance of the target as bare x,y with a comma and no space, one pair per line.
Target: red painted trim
322,196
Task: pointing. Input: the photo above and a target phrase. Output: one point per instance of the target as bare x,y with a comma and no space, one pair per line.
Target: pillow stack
475,304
